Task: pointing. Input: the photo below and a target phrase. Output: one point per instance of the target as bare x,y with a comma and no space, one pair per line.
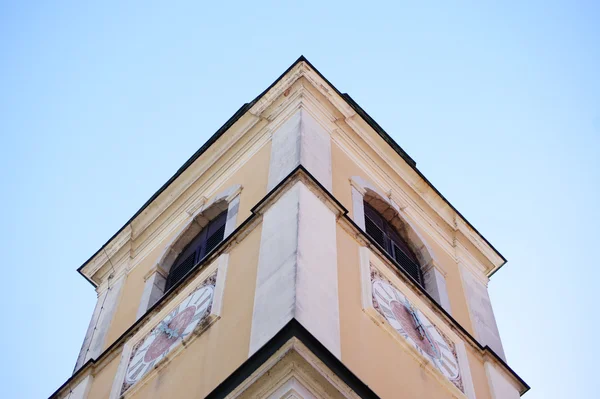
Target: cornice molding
492,260
301,86
142,244
219,149
113,252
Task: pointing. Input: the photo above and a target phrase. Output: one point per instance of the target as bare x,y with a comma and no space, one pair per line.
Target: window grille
384,234
197,249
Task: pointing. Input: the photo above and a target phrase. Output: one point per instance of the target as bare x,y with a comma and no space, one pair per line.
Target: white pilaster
94,341
275,296
300,140
297,270
500,385
81,390
481,312
317,304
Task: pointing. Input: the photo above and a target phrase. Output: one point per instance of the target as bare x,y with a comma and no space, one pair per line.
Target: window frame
392,243
201,213
434,276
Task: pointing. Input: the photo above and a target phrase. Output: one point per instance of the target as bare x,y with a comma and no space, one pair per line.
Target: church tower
299,253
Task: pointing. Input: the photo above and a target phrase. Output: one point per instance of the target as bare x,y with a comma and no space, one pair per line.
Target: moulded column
95,337
297,270
481,312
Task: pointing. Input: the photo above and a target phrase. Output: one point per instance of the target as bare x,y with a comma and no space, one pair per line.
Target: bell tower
299,253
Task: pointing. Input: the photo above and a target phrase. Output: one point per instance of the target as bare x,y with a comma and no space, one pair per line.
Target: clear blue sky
499,105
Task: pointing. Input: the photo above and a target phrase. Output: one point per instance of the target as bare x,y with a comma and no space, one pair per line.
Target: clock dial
446,358
170,331
416,328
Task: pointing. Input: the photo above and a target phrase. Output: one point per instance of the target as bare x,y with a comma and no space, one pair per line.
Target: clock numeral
188,301
442,345
387,312
450,371
197,316
132,366
202,296
389,290
133,376
378,294
206,298
452,362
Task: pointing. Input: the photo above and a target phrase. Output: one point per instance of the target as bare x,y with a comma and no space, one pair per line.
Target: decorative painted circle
164,340
404,316
170,331
446,360
416,328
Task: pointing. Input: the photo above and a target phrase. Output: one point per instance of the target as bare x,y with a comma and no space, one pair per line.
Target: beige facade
297,301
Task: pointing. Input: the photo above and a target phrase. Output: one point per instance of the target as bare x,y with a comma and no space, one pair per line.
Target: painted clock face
170,331
416,328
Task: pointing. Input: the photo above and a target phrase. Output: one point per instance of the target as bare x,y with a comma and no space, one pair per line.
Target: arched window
200,246
389,239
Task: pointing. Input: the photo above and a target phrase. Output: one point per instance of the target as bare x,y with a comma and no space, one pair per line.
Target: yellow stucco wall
223,347
344,168
253,178
480,381
103,379
366,349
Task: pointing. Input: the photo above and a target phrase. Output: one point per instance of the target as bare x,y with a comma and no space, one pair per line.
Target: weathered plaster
500,385
301,140
481,312
106,305
154,289
297,270
435,283
81,390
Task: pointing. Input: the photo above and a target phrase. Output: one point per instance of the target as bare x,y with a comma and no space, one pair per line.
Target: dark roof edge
234,118
241,111
400,151
388,139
